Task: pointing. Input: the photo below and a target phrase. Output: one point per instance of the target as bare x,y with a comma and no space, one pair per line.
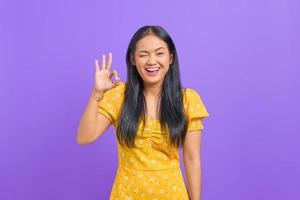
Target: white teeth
152,69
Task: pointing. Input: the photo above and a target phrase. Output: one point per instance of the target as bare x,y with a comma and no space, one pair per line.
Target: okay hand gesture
103,76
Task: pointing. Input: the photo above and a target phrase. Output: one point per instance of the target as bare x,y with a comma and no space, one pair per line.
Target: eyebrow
144,51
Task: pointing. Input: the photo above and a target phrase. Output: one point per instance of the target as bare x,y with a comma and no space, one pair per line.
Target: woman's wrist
97,95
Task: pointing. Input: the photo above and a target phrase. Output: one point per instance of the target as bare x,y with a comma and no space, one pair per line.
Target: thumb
115,74
116,82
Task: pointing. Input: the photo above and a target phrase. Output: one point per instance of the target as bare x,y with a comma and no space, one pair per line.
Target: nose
151,60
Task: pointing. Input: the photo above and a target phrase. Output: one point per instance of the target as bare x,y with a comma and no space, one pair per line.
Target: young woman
153,117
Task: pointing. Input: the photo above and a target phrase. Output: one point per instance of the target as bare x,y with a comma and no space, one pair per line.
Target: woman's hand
103,76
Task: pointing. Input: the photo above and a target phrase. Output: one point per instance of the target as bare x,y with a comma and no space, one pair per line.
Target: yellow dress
152,170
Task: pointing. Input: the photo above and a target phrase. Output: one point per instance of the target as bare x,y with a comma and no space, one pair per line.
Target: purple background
242,56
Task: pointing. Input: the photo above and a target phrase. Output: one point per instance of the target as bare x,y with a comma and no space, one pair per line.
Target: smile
152,71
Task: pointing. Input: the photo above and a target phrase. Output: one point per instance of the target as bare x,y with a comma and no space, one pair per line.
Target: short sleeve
195,110
111,102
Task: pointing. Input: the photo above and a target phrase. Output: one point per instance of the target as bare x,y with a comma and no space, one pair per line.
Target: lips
152,69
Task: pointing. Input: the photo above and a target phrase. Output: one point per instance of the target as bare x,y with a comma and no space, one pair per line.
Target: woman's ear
132,59
171,58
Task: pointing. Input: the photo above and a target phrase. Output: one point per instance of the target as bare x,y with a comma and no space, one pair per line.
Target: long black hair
171,112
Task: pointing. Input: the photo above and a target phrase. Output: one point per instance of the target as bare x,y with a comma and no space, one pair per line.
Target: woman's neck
152,91
152,97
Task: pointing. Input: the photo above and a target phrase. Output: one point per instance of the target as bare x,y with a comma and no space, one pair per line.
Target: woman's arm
92,125
192,163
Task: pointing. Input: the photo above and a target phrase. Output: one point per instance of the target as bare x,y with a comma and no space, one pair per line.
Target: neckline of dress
153,120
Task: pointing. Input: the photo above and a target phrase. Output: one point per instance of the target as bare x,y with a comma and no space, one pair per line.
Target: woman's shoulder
117,91
190,94
114,96
193,103
111,102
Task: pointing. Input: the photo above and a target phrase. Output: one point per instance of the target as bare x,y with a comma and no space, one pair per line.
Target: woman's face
152,59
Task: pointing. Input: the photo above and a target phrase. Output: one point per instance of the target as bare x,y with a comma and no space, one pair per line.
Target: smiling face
152,59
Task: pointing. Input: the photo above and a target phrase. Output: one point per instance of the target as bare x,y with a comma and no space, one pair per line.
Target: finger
117,82
103,62
115,74
117,78
96,65
109,61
